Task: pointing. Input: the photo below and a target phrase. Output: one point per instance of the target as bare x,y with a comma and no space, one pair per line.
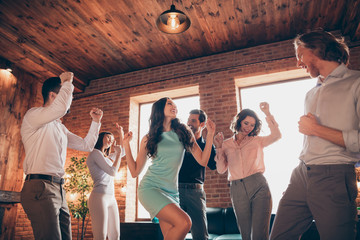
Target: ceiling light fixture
6,65
173,21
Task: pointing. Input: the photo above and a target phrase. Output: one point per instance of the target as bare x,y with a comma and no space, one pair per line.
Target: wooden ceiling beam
41,58
350,24
26,61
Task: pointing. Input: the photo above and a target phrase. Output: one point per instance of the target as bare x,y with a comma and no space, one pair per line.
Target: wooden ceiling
100,38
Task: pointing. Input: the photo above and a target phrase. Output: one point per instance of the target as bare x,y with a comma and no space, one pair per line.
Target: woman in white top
102,203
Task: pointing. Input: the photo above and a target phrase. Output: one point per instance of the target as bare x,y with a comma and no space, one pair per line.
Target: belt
45,177
191,185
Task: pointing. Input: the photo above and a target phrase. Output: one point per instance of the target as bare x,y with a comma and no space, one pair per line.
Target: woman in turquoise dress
165,144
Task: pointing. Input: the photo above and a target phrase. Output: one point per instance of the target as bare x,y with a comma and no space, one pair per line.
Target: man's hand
96,114
210,126
308,124
66,77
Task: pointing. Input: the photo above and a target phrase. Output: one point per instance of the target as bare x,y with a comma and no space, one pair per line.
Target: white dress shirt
46,139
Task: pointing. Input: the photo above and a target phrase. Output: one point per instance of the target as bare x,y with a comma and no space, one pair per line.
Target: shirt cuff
68,84
351,139
95,126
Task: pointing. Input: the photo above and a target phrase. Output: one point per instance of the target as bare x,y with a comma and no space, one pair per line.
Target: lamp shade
6,64
173,21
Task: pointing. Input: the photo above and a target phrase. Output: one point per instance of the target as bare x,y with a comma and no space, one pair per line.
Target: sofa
221,224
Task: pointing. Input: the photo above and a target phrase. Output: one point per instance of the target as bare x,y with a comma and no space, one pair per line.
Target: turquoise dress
159,186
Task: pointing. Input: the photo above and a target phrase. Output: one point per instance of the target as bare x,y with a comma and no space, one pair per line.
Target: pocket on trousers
33,190
351,187
39,190
345,191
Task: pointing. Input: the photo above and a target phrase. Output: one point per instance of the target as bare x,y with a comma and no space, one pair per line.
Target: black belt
191,185
45,177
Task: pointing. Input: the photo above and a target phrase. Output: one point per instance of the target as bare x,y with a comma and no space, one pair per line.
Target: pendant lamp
173,21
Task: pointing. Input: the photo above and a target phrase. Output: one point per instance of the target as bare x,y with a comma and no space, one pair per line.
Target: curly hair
156,128
324,45
236,123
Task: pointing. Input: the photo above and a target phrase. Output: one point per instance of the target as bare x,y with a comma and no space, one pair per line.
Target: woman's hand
128,137
264,106
117,148
120,130
218,140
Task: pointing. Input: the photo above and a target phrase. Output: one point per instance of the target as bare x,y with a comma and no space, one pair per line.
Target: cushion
215,220
230,222
229,237
211,236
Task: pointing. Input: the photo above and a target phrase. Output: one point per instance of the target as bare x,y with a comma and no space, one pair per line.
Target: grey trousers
45,205
252,203
193,202
324,193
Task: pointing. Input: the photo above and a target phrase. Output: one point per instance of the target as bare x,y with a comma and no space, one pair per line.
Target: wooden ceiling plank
23,22
100,38
351,19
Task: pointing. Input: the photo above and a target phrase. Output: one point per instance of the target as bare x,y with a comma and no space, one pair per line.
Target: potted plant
79,184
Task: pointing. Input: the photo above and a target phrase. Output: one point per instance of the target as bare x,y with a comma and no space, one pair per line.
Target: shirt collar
336,75
234,137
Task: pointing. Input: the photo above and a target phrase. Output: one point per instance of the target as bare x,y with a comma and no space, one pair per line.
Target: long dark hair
236,123
100,143
156,121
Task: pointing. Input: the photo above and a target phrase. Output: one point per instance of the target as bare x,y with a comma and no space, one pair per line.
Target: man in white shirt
45,141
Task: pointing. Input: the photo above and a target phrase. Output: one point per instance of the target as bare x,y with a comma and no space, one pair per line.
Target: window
184,106
286,102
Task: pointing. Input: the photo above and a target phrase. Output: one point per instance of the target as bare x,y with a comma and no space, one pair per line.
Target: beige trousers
46,207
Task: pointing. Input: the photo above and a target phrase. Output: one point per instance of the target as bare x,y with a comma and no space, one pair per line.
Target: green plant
78,183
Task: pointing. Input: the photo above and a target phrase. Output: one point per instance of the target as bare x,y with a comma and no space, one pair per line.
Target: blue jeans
193,202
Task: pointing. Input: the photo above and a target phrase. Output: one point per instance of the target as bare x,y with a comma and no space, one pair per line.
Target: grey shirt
336,104
102,171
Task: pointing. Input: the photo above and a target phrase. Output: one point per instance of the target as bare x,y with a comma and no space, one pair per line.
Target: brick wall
215,78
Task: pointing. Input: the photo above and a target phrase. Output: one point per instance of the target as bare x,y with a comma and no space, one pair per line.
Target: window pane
184,106
286,102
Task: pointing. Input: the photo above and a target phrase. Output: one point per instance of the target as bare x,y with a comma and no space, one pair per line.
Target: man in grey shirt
323,187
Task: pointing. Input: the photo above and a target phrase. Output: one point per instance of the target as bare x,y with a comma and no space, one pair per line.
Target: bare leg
174,222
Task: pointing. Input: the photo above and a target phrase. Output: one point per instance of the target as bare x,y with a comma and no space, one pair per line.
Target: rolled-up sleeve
221,162
352,140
